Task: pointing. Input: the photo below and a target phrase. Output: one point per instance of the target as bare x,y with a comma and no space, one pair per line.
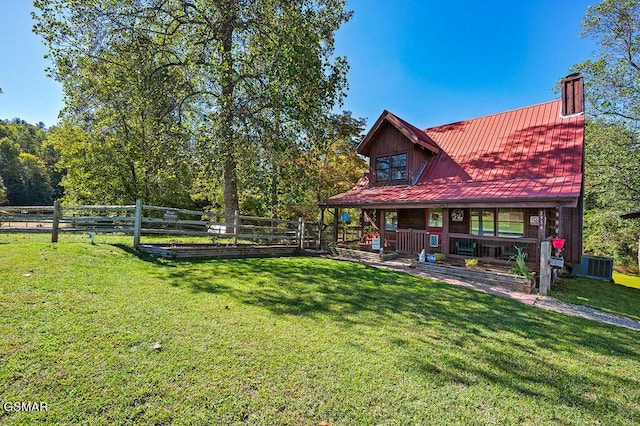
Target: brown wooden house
477,188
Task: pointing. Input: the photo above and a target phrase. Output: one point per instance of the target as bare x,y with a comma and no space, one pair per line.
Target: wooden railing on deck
494,248
413,241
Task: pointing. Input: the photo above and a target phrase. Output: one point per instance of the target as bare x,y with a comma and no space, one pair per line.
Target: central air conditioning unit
599,268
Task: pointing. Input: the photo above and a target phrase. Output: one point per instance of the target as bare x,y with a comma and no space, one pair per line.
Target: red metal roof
527,154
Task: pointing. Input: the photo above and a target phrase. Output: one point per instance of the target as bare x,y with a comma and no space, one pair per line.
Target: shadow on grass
495,340
145,257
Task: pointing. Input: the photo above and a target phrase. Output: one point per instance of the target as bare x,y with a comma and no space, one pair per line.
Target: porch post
444,244
545,268
320,230
381,227
542,226
335,225
542,234
559,222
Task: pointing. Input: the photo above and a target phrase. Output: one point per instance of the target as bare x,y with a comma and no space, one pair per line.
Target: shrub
521,268
470,263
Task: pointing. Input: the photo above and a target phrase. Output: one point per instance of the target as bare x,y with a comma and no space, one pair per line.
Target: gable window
391,168
382,169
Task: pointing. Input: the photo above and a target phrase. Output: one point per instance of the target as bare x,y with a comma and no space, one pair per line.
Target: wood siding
459,227
411,219
571,231
390,142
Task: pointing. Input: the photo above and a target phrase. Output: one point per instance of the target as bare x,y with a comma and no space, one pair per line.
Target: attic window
391,168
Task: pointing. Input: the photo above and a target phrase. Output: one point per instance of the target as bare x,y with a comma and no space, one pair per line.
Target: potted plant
521,268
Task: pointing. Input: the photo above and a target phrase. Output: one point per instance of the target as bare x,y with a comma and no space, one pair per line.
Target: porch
498,250
489,277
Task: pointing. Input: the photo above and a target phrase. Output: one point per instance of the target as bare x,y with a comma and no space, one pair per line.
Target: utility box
599,268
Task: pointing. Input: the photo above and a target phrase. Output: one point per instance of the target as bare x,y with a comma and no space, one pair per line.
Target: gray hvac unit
599,268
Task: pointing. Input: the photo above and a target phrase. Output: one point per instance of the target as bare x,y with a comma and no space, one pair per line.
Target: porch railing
413,241
495,248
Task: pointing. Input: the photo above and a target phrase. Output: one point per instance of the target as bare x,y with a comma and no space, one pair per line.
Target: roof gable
412,133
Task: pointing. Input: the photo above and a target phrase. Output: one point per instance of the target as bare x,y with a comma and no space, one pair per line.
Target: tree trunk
229,175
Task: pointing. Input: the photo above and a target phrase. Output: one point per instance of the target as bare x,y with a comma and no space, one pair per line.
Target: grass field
289,341
609,297
627,280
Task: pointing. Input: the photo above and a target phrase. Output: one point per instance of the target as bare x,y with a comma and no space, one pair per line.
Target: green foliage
27,165
612,160
612,147
228,89
471,262
520,268
611,78
3,191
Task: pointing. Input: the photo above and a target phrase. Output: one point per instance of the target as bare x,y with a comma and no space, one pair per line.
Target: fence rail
140,220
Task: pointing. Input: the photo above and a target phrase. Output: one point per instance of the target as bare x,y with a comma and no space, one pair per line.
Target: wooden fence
139,220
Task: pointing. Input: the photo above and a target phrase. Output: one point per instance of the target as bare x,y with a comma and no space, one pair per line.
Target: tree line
28,165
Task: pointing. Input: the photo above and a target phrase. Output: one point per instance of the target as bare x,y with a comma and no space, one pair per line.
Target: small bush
470,263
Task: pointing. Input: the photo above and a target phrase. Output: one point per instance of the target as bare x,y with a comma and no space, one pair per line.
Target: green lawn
627,280
289,341
609,297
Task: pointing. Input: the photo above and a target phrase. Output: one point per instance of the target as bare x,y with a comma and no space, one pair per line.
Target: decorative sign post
375,243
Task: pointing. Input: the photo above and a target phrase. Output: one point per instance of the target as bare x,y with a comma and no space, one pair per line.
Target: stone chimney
572,94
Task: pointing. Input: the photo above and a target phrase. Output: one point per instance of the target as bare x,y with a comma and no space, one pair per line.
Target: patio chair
466,247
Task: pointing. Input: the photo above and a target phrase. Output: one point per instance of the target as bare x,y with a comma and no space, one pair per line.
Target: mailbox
556,262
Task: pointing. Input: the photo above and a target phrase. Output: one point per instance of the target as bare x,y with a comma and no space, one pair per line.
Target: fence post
236,223
301,230
545,269
137,223
321,229
56,221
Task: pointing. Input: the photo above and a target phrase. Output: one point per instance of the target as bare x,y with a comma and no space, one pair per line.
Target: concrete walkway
542,302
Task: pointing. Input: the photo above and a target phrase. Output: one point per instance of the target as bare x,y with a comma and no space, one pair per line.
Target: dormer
398,151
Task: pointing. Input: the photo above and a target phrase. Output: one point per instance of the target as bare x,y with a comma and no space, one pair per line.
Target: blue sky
430,62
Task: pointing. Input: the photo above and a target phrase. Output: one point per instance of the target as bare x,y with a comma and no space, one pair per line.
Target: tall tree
613,77
612,157
125,107
235,58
